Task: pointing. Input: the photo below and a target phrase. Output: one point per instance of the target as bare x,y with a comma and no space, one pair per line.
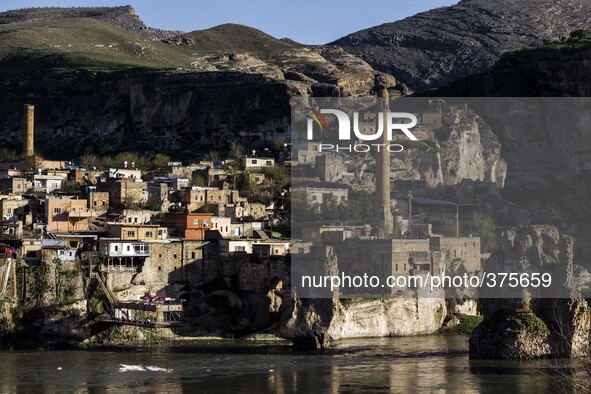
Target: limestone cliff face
143,111
51,310
364,318
464,148
178,113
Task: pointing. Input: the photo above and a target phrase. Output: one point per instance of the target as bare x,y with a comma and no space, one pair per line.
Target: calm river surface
410,364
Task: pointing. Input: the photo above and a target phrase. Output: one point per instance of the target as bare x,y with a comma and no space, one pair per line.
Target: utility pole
457,220
410,212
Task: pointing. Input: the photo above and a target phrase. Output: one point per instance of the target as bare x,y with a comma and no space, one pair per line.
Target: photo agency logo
372,132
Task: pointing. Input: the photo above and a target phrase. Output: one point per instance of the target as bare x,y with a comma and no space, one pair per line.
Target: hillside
124,17
77,43
435,47
233,38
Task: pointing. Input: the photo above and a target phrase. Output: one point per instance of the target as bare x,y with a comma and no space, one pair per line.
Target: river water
409,364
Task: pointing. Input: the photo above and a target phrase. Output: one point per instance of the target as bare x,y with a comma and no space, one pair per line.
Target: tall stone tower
384,221
29,131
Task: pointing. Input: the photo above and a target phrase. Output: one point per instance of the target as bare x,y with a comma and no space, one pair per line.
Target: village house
14,185
15,206
263,247
249,163
136,232
47,183
189,225
99,201
196,197
329,168
65,214
124,173
125,192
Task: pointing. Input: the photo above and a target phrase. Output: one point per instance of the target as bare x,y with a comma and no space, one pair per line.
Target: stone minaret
384,220
29,131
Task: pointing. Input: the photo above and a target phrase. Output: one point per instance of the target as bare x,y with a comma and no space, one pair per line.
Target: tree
133,159
198,180
278,176
212,156
160,160
89,160
9,155
235,151
579,35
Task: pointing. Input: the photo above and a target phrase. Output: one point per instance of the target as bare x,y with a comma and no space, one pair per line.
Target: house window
205,222
240,249
57,210
254,162
192,255
149,234
131,233
196,222
159,268
116,248
268,162
128,248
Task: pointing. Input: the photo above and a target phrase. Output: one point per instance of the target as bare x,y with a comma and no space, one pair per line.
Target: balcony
82,214
125,249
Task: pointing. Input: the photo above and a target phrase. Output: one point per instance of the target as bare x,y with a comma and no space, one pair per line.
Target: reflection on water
430,363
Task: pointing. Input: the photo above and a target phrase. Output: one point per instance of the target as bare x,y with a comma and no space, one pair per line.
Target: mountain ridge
438,46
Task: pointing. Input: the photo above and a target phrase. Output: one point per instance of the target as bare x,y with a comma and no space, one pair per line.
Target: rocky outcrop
441,45
363,318
537,322
511,335
463,148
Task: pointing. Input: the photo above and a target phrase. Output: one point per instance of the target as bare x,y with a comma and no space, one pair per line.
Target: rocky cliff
534,325
463,147
362,318
438,46
547,166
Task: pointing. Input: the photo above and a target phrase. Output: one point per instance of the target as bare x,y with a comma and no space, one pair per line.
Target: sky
306,21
